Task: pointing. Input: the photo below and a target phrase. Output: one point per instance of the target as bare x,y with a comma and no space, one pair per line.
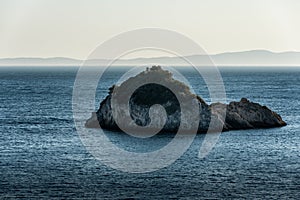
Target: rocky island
242,114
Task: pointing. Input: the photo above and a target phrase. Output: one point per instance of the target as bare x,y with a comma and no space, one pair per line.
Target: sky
73,28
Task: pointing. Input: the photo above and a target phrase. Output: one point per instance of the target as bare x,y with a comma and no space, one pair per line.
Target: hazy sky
73,28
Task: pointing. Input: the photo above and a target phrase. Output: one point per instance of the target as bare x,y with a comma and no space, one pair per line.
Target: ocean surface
42,156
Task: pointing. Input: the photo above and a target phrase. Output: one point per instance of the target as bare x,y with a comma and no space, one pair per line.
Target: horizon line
78,59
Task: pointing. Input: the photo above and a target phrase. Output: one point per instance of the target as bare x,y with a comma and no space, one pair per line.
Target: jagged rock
239,115
248,115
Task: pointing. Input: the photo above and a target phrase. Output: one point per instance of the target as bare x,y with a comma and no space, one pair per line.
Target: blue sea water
41,154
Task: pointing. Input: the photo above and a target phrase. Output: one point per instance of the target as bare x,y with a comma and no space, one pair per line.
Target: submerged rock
239,115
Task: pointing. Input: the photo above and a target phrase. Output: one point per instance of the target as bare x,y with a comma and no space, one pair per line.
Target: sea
42,155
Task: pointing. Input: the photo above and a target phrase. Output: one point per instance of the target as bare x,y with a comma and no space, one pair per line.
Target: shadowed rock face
248,115
239,115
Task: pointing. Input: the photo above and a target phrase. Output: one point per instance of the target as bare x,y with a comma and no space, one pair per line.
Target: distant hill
39,61
245,58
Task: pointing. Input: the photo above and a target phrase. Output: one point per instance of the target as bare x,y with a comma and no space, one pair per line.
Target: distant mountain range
245,58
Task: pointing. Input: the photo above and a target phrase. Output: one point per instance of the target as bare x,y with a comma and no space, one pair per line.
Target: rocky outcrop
248,115
239,115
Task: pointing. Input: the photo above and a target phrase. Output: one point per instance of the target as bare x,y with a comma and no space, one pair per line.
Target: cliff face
239,115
